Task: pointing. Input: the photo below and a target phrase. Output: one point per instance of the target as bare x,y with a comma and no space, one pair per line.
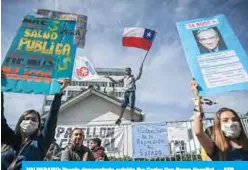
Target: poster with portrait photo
214,54
209,40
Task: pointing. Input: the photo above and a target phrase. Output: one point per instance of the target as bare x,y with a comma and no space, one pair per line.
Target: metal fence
186,149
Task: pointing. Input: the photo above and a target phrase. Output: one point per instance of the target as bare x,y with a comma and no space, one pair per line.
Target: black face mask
128,73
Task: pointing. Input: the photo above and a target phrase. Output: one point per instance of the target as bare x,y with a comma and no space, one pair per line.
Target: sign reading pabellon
112,137
38,56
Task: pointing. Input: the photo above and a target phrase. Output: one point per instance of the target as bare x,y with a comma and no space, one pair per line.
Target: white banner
149,140
112,137
83,70
178,133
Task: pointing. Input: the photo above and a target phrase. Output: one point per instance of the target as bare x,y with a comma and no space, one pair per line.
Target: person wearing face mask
229,141
28,142
129,85
76,151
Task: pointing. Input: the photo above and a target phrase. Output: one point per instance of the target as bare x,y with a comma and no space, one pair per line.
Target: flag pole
148,50
145,57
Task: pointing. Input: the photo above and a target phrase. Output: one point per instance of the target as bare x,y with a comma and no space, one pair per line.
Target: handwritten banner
112,137
215,56
39,55
81,23
149,140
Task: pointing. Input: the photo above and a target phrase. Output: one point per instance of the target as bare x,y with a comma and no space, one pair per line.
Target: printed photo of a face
209,40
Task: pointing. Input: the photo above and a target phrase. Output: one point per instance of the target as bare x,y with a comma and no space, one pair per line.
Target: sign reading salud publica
38,56
215,56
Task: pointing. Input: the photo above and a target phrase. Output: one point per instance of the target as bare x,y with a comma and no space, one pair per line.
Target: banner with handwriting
39,55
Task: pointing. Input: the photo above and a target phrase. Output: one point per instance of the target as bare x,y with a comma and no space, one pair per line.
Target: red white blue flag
138,37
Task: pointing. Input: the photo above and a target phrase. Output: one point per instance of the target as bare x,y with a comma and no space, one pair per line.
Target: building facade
81,112
102,84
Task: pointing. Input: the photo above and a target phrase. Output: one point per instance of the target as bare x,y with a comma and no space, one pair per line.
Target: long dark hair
221,140
18,131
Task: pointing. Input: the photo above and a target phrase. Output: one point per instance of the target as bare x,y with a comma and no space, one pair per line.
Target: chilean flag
138,37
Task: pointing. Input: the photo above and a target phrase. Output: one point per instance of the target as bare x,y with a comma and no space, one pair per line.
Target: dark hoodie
98,152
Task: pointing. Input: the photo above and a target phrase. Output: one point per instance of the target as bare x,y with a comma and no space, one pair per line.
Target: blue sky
163,92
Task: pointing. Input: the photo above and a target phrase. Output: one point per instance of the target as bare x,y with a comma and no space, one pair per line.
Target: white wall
92,109
95,111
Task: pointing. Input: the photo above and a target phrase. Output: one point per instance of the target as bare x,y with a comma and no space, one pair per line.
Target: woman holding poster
28,142
229,142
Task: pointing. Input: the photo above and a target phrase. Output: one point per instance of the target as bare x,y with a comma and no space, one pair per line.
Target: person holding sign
28,142
76,151
129,86
229,141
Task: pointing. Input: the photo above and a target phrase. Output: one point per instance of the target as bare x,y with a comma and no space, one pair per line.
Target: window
48,102
74,83
72,93
102,73
112,74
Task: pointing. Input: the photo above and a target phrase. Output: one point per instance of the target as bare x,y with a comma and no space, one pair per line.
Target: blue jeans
129,98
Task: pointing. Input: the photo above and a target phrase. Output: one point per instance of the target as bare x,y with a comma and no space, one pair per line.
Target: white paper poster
149,140
177,133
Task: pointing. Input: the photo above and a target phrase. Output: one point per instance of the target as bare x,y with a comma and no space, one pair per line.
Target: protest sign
149,140
178,133
112,137
81,23
83,70
38,56
215,56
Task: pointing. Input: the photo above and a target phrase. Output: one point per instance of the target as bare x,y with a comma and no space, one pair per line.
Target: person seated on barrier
76,151
97,149
29,142
229,142
209,132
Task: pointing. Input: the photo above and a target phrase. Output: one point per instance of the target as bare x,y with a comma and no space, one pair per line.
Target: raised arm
140,73
8,135
115,81
203,138
50,125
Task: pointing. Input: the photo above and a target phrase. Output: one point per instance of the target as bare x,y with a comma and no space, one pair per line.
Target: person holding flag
129,86
139,38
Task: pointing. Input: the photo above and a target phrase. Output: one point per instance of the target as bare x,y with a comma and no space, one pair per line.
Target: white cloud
166,74
17,103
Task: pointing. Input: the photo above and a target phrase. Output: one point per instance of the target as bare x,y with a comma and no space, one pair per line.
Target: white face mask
29,126
231,129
